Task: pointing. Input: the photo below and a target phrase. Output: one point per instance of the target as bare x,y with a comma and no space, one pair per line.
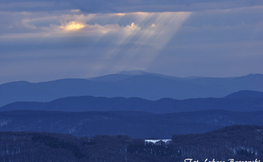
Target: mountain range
238,101
134,103
129,84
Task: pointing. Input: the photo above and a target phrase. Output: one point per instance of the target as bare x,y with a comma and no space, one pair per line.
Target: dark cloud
113,6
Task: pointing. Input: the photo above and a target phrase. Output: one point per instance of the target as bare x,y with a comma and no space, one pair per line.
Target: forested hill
133,124
235,142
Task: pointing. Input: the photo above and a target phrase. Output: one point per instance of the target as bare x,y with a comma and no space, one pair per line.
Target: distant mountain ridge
161,106
246,94
128,74
129,84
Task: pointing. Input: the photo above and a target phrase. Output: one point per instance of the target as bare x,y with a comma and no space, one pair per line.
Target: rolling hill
131,123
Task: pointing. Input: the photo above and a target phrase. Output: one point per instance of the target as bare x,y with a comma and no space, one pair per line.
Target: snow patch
155,141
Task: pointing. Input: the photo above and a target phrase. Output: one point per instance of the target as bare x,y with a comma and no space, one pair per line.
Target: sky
48,40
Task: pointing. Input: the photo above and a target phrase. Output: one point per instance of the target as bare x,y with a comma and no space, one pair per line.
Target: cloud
145,27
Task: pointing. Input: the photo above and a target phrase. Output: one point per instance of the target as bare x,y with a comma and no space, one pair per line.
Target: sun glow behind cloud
73,25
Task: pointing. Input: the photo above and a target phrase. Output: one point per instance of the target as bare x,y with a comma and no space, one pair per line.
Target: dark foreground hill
133,124
143,85
165,105
240,143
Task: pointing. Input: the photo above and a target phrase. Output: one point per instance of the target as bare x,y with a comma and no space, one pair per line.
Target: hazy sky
47,40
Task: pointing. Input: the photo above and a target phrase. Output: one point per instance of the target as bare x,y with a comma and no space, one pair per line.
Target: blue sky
48,40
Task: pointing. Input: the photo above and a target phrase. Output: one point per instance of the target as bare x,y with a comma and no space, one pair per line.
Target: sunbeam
133,39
